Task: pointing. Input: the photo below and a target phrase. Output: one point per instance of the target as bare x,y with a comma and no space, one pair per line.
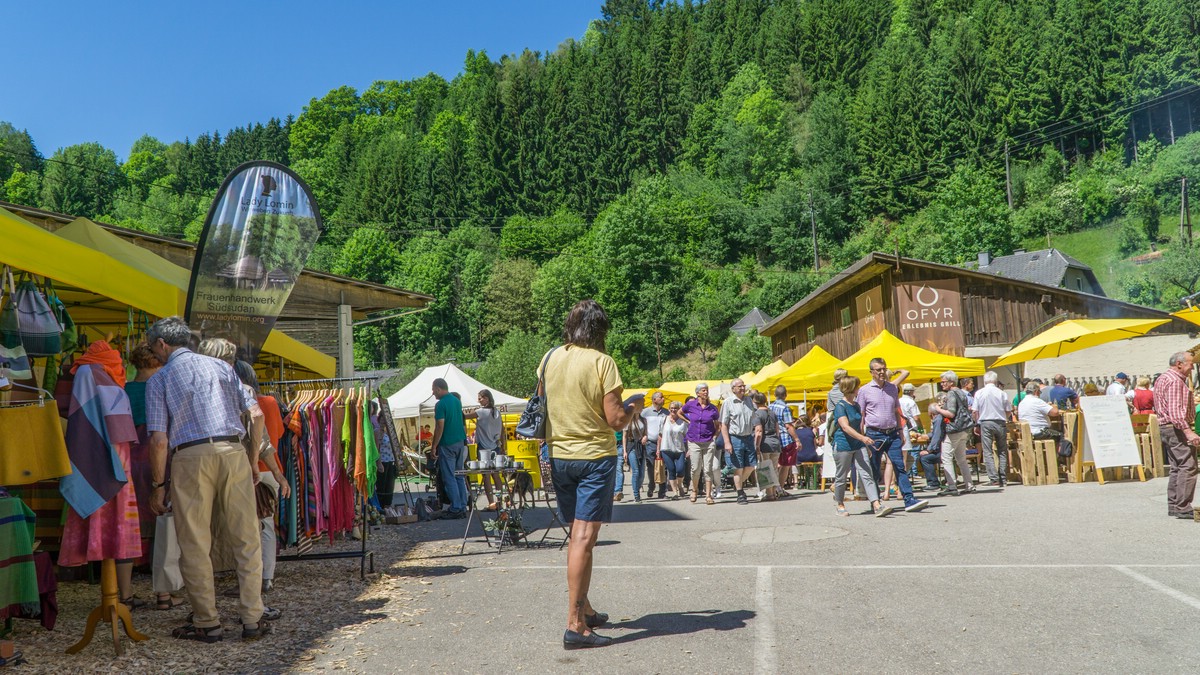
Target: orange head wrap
100,353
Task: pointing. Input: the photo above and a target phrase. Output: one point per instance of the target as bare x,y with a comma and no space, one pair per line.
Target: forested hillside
675,161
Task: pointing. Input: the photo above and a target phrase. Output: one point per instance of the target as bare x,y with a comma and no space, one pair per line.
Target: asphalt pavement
1074,578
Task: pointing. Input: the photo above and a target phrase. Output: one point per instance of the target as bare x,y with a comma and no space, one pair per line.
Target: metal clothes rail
365,556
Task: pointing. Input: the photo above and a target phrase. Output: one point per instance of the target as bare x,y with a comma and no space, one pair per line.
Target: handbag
264,500
533,419
167,577
660,472
14,362
29,321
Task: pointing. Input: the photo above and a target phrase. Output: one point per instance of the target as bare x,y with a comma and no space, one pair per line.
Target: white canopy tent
416,398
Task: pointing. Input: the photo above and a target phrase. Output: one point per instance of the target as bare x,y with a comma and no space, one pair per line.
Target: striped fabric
18,574
100,418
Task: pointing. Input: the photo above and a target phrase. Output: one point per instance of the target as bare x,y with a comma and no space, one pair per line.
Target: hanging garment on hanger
100,420
370,450
31,444
103,519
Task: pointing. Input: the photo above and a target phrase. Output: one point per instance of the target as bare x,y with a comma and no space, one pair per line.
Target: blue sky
111,71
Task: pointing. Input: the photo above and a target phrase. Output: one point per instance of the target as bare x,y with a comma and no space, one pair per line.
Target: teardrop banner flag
259,231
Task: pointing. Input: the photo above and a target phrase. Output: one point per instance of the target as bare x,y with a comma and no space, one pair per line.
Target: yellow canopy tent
717,389
649,393
104,275
1074,335
812,372
923,365
1190,314
769,371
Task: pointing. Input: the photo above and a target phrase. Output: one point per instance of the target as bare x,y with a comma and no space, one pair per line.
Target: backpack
962,413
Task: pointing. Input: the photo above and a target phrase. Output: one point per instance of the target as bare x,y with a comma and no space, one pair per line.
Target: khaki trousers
212,478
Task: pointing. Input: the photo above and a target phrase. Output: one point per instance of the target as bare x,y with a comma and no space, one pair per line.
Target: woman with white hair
703,424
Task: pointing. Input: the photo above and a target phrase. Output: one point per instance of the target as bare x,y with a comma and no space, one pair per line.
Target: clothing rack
364,556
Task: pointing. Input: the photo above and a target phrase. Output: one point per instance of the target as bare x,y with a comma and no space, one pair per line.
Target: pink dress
111,532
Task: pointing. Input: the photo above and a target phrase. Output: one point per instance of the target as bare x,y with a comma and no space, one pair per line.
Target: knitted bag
29,321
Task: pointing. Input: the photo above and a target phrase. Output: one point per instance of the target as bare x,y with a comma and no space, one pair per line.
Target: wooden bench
1039,459
1145,432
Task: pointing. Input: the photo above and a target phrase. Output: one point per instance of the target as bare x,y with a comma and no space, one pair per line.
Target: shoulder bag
29,321
534,418
14,362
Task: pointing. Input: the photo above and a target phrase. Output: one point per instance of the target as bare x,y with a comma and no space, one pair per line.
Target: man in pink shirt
883,423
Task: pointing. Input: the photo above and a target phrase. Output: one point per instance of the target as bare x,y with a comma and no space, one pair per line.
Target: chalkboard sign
1108,432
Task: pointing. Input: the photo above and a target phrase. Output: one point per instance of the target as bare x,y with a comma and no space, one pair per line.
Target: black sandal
132,602
169,603
190,632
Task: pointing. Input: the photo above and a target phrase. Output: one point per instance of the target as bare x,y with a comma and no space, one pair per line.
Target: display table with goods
505,528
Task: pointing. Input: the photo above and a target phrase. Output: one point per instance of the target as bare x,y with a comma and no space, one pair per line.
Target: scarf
100,353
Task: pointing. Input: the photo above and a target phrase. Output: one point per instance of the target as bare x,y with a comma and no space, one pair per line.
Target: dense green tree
512,367
81,179
740,354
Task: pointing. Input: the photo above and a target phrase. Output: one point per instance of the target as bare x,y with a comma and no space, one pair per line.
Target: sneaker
618,497
918,505
742,499
268,585
885,511
969,488
994,482
271,614
948,491
717,494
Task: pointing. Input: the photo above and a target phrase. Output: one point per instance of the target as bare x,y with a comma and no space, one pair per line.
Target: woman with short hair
767,447
583,391
672,448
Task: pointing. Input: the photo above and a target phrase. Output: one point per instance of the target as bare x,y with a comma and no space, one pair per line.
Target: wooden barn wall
827,323
994,313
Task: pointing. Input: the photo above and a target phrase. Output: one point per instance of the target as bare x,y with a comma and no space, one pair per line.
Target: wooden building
312,310
941,307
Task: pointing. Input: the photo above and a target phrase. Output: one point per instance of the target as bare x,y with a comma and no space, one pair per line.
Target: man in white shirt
654,416
1119,386
1037,413
912,417
991,410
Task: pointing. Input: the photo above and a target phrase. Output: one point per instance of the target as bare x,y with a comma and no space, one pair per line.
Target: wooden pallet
1149,440
1039,459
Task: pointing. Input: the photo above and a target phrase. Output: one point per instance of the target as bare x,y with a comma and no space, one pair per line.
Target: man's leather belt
206,441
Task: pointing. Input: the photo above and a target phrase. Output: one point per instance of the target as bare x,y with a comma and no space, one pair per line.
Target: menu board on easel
1108,432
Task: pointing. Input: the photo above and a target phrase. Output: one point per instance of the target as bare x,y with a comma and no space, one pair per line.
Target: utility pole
1007,177
812,214
1185,213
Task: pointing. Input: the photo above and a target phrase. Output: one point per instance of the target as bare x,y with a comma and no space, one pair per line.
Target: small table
501,512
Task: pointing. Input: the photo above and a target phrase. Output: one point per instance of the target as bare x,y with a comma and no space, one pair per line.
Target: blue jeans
889,442
451,458
634,455
649,455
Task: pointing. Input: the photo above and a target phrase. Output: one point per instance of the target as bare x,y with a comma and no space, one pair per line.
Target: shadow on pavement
428,570
646,513
682,623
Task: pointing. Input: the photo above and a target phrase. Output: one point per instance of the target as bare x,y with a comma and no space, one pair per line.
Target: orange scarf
100,353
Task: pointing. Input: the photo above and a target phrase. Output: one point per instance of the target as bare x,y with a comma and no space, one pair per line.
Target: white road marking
1161,588
764,623
854,567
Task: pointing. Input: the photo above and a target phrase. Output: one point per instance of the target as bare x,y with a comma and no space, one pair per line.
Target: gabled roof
873,264
1047,267
753,320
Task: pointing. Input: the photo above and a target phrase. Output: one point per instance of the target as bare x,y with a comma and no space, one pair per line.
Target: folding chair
551,498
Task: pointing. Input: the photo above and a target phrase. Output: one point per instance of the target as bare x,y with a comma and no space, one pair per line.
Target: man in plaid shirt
1176,410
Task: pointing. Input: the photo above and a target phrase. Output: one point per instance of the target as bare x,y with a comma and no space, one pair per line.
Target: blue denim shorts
585,488
743,455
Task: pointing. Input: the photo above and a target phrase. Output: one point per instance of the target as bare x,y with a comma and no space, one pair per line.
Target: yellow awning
812,372
1074,335
1190,314
769,371
30,248
923,365
96,265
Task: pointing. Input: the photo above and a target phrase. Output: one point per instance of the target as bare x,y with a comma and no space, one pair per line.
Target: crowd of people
874,431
